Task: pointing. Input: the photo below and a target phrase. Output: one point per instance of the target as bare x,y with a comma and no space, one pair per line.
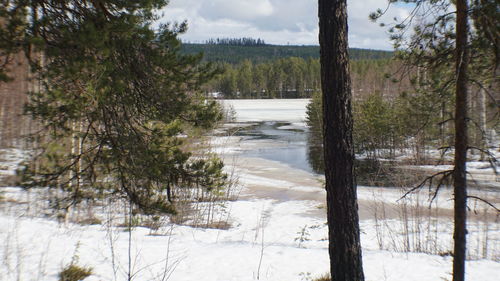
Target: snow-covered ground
277,232
265,232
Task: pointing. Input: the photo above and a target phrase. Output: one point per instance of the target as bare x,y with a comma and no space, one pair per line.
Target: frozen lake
278,125
286,110
276,130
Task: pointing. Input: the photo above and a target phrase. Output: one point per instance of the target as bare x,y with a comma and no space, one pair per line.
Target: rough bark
459,173
342,208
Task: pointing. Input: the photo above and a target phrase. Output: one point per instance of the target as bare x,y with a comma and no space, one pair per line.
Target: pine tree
115,102
342,206
461,141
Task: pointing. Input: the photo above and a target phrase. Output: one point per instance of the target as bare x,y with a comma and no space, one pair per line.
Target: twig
439,185
429,179
484,201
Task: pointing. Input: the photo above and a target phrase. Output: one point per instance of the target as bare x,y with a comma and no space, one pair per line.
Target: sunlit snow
277,232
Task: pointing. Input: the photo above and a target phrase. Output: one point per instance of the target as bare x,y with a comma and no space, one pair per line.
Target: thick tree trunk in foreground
459,174
343,221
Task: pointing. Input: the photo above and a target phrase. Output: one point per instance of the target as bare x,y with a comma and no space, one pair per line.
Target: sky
293,22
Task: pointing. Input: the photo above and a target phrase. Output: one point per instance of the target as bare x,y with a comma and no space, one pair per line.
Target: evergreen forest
234,50
294,77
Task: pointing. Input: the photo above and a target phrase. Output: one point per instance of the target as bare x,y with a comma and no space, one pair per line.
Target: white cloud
277,21
237,10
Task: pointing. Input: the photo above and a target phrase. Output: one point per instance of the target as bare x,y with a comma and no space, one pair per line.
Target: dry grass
224,225
74,272
90,221
9,180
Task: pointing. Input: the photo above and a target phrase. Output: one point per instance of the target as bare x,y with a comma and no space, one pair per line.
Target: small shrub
90,221
324,277
184,213
445,253
135,222
74,272
307,276
303,236
154,223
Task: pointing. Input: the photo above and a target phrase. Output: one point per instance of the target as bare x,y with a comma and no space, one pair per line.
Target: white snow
9,160
40,248
289,110
277,232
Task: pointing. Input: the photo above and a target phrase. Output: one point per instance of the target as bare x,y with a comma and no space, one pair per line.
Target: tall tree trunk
459,174
342,207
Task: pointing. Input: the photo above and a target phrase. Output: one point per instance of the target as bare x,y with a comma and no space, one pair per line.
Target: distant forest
253,69
235,51
295,77
245,41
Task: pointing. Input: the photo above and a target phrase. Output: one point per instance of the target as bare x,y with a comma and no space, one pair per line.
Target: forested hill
261,53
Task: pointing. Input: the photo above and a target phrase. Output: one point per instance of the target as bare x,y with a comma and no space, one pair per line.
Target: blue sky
277,21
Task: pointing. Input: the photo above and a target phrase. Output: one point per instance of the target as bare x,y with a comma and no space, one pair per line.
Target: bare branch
443,174
484,201
439,185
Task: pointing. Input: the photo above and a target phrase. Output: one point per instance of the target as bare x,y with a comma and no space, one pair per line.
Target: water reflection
302,148
291,143
368,171
315,150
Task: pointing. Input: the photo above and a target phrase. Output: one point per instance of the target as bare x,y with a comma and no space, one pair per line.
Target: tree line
235,54
296,78
245,41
